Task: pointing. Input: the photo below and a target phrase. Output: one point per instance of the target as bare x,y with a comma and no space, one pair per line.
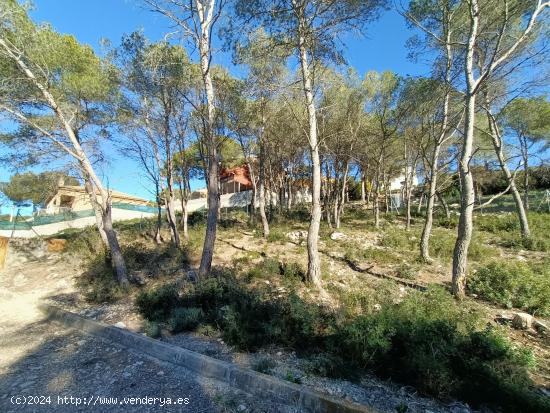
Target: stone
297,236
241,408
377,307
522,321
160,373
540,327
120,324
336,236
504,318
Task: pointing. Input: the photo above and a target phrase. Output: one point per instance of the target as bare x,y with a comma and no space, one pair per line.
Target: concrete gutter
246,380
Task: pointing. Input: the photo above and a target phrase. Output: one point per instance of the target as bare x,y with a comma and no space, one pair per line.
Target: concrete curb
246,380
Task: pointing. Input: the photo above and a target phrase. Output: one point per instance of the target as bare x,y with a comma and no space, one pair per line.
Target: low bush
264,365
496,223
157,304
427,340
513,284
152,329
436,345
185,319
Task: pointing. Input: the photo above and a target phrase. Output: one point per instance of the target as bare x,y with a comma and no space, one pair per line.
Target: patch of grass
442,246
513,284
399,239
98,284
406,271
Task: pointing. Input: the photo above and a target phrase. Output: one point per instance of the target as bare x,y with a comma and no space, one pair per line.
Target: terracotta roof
238,173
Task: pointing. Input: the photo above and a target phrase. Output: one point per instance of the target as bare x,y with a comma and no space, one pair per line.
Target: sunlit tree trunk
314,261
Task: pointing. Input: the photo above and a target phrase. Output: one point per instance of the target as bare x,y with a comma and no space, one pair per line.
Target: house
233,180
72,198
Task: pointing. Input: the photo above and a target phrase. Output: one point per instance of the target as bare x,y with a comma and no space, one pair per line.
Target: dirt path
48,361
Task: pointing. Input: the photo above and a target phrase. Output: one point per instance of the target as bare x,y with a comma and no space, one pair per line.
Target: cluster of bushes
513,284
427,340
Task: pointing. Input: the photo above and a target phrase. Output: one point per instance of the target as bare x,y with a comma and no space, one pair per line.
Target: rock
504,318
297,236
336,236
120,324
126,374
241,408
160,373
522,321
540,327
377,307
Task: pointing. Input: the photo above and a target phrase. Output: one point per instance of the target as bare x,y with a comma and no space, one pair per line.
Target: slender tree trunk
261,200
88,186
525,155
444,204
211,143
363,188
314,261
510,178
342,196
158,237
467,198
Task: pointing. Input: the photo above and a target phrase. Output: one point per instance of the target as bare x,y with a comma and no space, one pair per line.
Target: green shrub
433,343
185,319
292,271
268,267
276,235
152,329
428,340
157,304
398,239
513,284
496,223
449,223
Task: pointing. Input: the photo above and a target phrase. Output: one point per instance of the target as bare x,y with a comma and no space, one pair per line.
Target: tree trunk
314,261
261,200
117,259
158,237
467,198
211,143
510,179
88,186
444,204
525,155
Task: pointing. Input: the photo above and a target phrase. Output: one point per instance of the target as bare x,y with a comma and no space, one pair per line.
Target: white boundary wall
55,227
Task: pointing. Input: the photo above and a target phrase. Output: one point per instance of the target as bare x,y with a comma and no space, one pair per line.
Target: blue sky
90,21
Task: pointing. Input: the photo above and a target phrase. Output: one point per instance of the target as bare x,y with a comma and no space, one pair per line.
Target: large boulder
335,236
297,236
522,321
